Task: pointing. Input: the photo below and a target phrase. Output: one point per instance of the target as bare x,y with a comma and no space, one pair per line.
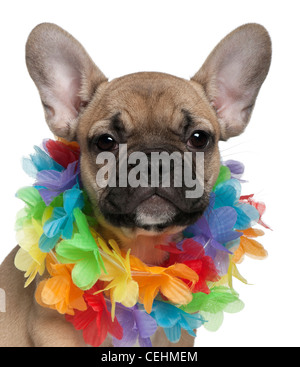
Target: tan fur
79,101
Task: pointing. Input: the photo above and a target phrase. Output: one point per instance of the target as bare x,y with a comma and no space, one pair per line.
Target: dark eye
199,140
106,143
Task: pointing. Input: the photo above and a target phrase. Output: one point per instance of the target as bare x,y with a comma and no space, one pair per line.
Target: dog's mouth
155,211
152,209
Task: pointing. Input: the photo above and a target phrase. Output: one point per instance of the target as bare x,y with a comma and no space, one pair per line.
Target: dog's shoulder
16,301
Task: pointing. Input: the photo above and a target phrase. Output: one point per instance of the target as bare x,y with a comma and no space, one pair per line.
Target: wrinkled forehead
151,101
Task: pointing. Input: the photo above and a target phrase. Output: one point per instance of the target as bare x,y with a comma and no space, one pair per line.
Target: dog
150,112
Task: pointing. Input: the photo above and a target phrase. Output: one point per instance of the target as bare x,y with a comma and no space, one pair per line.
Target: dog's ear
64,74
233,74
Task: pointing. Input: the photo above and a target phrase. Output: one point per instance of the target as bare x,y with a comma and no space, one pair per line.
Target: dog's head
148,113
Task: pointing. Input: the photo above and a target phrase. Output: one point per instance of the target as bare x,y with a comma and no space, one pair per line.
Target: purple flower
51,183
214,229
136,324
236,168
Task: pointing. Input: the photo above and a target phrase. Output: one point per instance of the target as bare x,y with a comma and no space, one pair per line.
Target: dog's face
148,112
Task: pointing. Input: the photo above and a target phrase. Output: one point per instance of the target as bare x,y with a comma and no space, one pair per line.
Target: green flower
212,306
82,251
35,206
224,175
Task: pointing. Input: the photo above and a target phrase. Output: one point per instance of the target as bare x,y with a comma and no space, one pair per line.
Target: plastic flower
236,169
35,206
260,206
211,306
82,251
59,292
96,321
249,246
51,183
62,152
232,271
123,289
228,194
172,319
61,222
193,256
224,175
137,325
30,258
214,229
40,161
168,281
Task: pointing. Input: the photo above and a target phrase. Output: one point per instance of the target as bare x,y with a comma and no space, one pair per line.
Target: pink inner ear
64,102
233,101
74,89
229,83
66,85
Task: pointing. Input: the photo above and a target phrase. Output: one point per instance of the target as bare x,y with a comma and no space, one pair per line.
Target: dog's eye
199,140
106,143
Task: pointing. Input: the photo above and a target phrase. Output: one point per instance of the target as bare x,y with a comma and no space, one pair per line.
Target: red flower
63,152
193,256
258,205
96,321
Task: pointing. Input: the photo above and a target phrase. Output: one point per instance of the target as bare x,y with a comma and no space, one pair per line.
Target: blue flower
62,220
228,194
172,319
39,161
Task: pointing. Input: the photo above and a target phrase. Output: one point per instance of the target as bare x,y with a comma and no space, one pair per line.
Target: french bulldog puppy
149,112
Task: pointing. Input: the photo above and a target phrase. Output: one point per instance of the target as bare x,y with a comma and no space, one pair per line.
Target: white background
175,37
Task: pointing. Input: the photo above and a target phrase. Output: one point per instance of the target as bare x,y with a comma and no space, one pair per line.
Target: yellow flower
25,262
30,258
123,289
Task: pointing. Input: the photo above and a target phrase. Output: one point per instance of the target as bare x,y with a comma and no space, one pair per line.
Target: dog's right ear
64,74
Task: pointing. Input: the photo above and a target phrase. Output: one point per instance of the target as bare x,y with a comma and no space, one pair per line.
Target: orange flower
250,247
59,292
152,279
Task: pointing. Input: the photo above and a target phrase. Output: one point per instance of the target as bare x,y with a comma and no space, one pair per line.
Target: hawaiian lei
102,290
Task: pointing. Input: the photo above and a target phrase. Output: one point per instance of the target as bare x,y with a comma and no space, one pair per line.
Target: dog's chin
155,214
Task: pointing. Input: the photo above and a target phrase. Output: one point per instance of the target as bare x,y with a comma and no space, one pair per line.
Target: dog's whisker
232,147
237,153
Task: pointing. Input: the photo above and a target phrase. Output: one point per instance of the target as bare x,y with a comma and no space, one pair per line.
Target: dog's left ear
233,74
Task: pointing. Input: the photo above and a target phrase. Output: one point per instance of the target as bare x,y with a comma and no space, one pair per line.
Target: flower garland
102,290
